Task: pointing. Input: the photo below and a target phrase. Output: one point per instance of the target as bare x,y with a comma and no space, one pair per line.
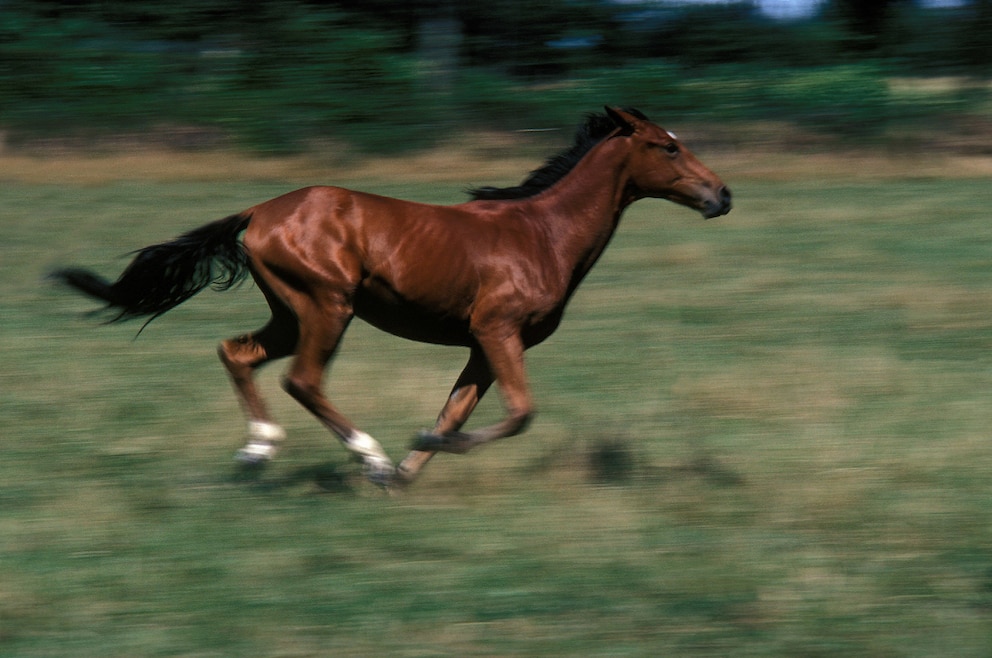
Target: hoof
426,441
454,442
380,472
255,454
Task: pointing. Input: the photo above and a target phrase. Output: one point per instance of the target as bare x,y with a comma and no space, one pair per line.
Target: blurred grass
762,435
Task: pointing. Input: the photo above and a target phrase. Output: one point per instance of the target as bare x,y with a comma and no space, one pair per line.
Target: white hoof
378,466
380,472
255,453
263,443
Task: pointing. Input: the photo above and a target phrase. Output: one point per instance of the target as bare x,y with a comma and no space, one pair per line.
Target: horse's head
660,166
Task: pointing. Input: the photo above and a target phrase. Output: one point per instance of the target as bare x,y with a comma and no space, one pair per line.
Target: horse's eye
671,148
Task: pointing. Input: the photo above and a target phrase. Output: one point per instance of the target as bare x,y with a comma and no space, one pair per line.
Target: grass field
763,435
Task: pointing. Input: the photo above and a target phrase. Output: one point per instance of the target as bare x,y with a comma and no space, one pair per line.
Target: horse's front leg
504,353
472,384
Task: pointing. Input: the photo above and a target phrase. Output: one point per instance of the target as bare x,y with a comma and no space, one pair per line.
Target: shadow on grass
614,460
326,478
705,467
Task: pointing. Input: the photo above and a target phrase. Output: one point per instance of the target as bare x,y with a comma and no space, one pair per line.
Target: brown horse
493,274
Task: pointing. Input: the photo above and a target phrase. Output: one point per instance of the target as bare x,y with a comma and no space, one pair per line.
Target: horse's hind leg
242,356
321,328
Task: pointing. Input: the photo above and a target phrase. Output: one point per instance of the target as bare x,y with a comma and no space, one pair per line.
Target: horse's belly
411,321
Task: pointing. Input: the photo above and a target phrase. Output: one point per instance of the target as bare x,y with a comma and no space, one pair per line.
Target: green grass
763,435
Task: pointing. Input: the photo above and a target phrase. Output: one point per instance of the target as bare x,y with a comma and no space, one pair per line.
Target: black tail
165,275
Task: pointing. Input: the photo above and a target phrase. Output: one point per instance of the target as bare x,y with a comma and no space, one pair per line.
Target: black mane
592,132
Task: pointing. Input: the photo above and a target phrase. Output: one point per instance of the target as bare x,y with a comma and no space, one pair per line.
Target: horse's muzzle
720,205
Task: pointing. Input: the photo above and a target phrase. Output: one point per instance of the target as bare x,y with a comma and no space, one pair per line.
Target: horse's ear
625,122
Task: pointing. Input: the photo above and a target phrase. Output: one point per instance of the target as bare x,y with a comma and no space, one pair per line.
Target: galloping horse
493,274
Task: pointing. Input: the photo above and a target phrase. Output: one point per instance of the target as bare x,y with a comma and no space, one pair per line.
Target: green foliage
275,76
315,73
843,101
309,73
852,100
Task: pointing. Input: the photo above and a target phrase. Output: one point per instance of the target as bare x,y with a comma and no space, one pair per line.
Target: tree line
382,73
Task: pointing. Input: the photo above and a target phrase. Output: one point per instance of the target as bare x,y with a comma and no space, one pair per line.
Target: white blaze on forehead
672,135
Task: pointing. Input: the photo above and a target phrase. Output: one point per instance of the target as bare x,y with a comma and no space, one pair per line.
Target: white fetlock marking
364,445
371,452
260,430
256,452
263,442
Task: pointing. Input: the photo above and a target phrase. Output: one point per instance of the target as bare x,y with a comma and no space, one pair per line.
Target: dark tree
867,20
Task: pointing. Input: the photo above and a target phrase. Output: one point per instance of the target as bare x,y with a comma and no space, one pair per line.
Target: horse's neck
583,209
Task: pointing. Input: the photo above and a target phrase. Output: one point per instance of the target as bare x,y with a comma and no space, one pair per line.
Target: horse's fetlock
521,420
264,440
264,431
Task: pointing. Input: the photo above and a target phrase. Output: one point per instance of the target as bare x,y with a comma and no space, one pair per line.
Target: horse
493,274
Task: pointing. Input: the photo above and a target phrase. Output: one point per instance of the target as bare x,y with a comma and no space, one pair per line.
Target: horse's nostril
725,194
